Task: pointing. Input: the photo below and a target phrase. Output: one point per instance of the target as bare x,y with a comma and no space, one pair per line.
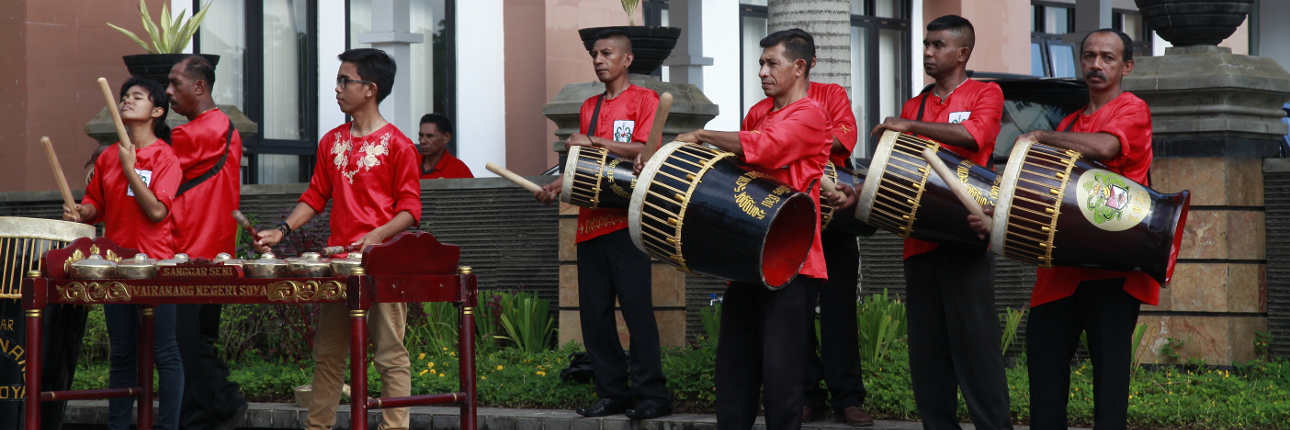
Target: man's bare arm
949,134
1093,146
726,140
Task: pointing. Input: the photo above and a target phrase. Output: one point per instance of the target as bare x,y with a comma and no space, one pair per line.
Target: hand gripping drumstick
656,130
116,115
511,176
957,187
242,221
58,172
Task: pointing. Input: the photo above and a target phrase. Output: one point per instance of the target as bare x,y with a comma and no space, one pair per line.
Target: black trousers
954,338
762,346
209,397
611,267
838,363
1108,314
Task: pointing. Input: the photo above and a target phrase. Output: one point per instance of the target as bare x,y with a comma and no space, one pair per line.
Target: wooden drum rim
570,166
641,190
879,165
46,229
1007,187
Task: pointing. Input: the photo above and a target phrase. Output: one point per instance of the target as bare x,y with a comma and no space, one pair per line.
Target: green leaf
131,35
165,24
151,28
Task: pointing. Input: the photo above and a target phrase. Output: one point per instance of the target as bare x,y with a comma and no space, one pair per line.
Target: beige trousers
385,325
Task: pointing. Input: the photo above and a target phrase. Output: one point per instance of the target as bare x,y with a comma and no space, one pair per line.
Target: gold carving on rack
77,255
94,292
297,291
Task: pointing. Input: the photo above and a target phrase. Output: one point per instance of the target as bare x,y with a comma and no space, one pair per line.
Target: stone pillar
1214,115
391,33
690,110
101,128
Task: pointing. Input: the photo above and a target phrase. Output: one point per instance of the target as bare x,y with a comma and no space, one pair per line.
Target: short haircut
198,68
1126,55
617,35
439,120
798,44
373,65
957,25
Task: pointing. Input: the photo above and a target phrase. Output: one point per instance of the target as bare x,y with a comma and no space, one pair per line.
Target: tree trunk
829,21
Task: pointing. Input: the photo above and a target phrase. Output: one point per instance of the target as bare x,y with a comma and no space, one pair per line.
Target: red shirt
369,179
1129,120
626,118
448,167
833,98
124,221
796,137
979,107
202,225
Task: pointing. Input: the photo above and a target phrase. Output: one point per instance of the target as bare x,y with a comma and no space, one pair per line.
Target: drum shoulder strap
219,165
595,116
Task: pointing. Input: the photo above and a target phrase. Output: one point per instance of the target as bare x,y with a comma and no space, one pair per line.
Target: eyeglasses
345,80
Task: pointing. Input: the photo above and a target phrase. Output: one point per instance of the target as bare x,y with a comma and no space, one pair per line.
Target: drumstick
656,130
333,250
116,114
242,221
58,173
509,175
951,180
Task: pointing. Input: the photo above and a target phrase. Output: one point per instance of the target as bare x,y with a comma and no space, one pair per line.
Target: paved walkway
289,416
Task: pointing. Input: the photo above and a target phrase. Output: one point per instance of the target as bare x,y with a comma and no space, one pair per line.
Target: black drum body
903,195
702,211
843,221
595,178
1058,209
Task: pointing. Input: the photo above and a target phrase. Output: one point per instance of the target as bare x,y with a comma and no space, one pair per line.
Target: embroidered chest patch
370,154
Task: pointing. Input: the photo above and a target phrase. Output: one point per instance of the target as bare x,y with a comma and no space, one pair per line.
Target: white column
721,29
331,42
390,34
1092,15
481,85
917,30
685,65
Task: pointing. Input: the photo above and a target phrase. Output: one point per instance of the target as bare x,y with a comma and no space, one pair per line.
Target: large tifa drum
1057,209
596,178
843,221
903,195
22,242
701,211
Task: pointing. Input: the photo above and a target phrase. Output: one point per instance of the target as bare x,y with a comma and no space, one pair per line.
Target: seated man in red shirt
436,161
368,169
787,136
1115,128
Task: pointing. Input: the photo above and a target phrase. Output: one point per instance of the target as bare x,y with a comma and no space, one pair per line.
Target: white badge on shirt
623,130
146,175
957,117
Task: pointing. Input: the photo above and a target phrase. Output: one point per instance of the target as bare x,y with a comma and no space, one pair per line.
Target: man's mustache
1095,74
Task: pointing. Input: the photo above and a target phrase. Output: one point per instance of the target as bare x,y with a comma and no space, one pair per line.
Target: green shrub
711,318
882,326
1011,319
527,322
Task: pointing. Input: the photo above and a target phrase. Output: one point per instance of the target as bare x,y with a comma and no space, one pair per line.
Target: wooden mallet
58,172
116,115
511,176
957,187
656,130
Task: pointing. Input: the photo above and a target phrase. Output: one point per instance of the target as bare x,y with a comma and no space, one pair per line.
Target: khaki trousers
385,326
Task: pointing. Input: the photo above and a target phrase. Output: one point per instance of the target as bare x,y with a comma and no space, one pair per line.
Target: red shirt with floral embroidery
368,179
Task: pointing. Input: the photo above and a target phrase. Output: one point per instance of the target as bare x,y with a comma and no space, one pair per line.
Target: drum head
570,166
879,164
1007,188
642,189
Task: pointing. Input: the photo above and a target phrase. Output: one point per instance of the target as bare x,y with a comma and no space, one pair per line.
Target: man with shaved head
953,328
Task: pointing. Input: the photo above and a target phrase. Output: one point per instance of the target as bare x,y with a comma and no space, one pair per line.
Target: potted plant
169,39
1191,22
650,45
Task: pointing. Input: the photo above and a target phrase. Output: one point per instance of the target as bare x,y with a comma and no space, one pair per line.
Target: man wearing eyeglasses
368,169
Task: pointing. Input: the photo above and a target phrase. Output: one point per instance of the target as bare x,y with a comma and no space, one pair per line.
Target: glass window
889,8
223,33
756,2
285,64
892,53
1057,20
1063,58
427,75
1132,25
1037,60
857,7
859,80
754,29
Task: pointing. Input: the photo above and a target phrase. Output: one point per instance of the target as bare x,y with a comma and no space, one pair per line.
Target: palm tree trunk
829,21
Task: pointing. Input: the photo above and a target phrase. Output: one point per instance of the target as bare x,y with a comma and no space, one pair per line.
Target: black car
1031,103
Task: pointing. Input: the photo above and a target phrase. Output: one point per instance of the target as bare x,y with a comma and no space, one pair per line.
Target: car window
1022,116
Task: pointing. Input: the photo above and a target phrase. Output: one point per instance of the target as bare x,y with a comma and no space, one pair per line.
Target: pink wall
1002,32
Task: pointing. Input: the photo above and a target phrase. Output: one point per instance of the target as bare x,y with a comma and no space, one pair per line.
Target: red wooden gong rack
412,267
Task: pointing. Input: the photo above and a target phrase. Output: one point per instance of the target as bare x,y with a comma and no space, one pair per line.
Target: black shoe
650,408
605,407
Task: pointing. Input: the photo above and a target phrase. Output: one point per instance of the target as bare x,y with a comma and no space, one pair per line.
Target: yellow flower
423,372
430,364
483,377
421,356
442,375
445,348
499,367
452,354
541,373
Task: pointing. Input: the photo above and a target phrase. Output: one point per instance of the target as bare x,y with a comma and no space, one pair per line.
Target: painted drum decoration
904,196
846,222
267,266
596,178
139,267
702,211
309,265
1057,209
94,267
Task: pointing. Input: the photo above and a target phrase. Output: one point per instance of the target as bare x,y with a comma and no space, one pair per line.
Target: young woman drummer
130,193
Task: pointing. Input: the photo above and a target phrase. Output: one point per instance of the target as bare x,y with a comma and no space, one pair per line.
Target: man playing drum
609,265
368,169
787,136
838,364
953,328
210,154
1115,128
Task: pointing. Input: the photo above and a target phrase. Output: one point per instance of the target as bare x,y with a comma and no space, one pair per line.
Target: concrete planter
650,45
1194,22
157,66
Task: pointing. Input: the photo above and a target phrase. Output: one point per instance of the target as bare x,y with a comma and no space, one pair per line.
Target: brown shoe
855,416
809,415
